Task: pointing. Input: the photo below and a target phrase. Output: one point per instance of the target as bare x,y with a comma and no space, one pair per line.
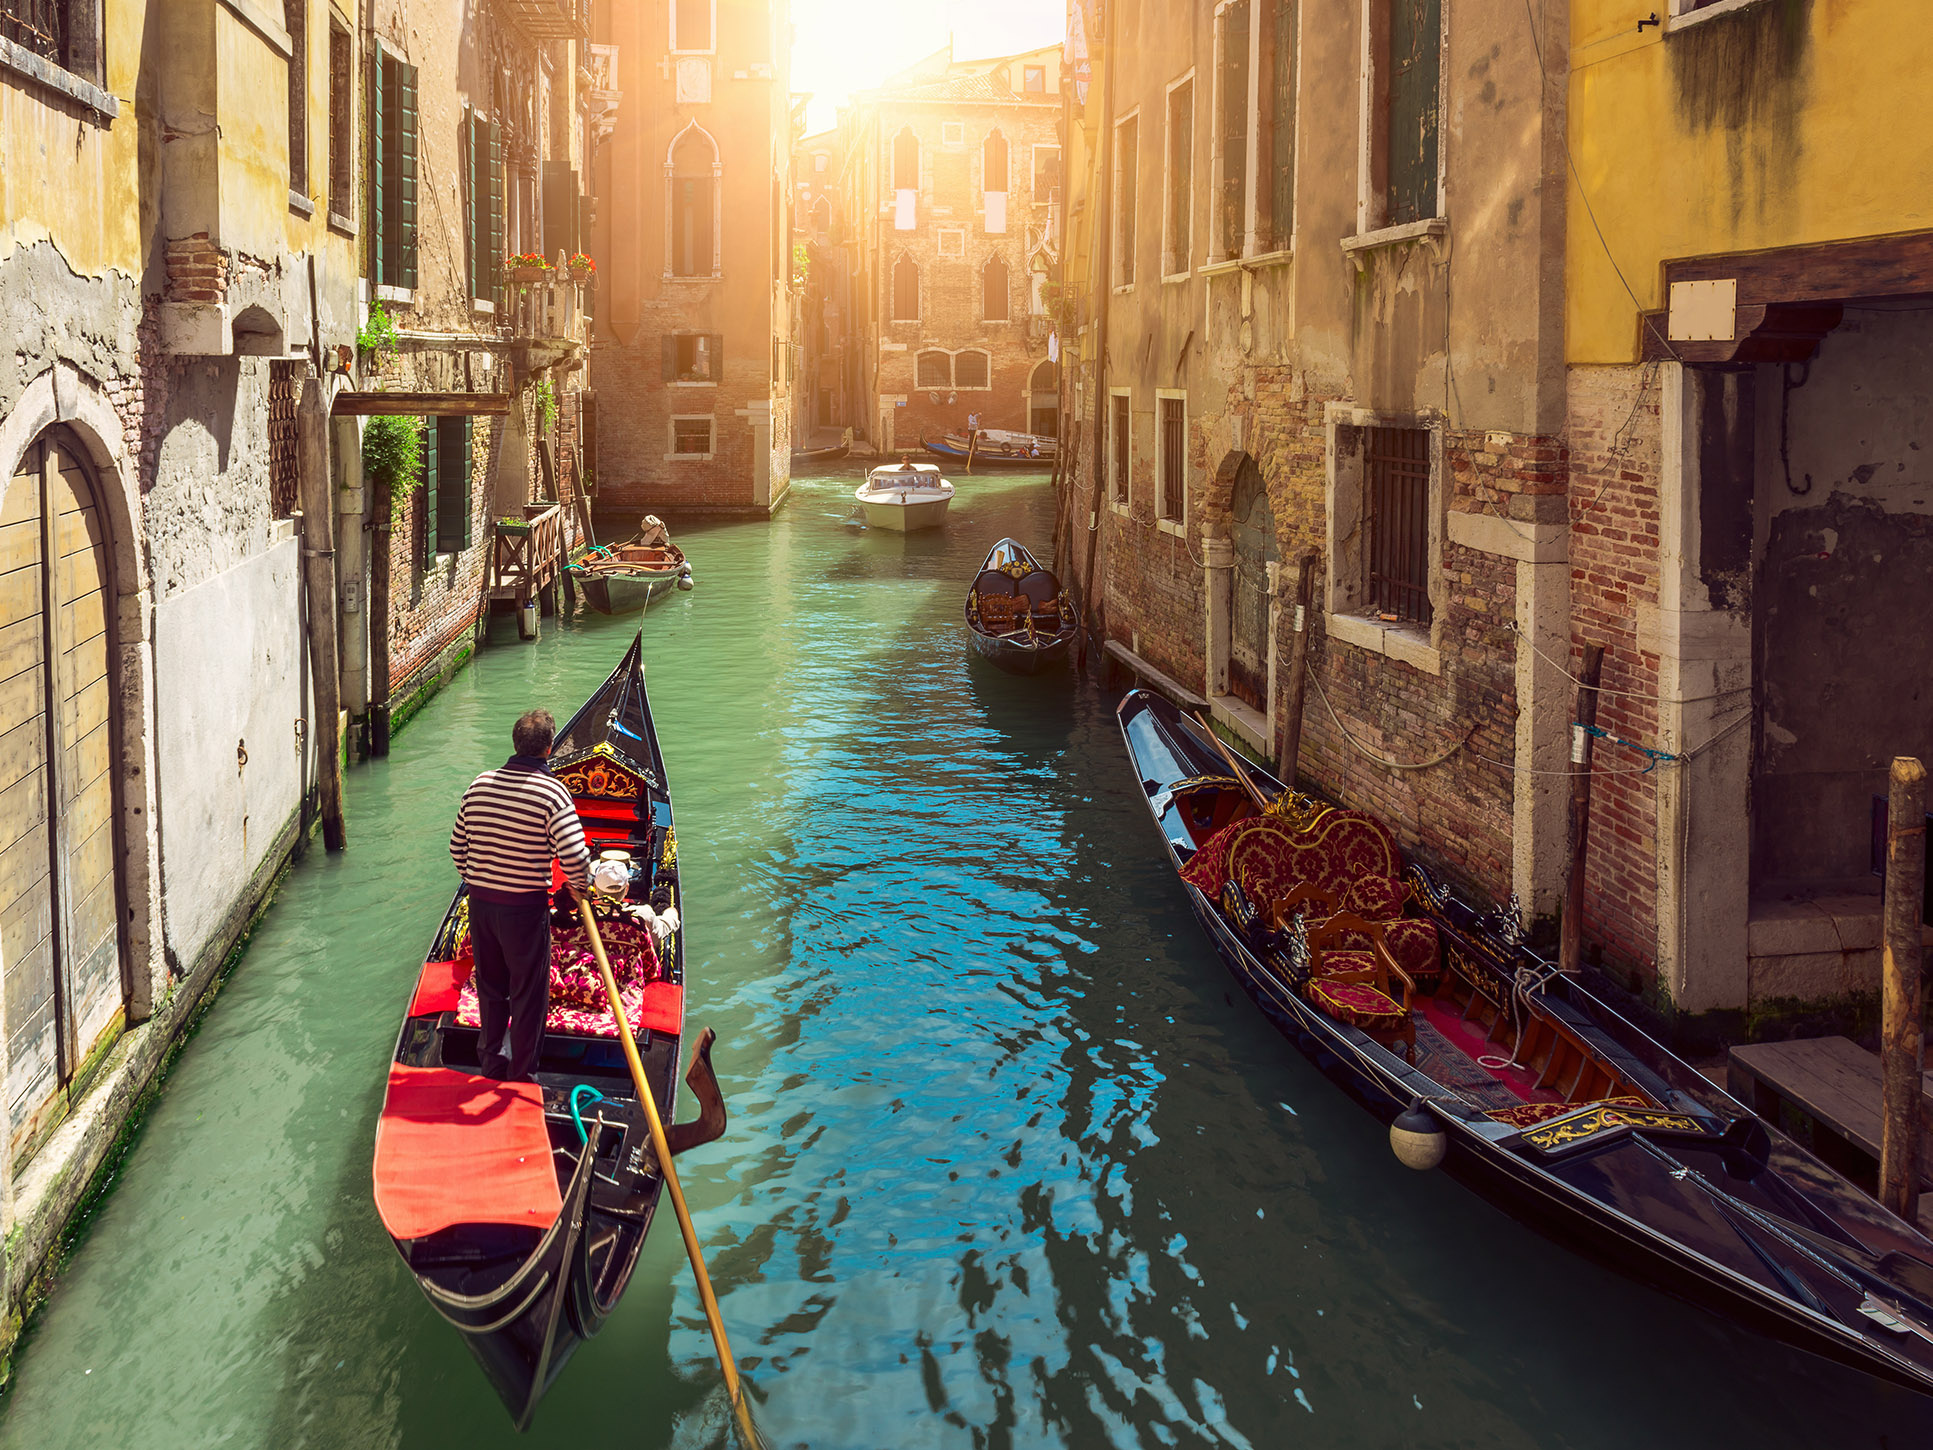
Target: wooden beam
420,405
1901,1040
319,571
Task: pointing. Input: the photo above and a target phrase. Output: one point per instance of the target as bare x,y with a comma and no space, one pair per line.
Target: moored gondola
520,1208
1528,1086
803,457
978,452
620,578
1017,615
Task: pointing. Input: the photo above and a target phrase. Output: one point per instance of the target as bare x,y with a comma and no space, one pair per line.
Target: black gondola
520,1208
820,455
1561,1110
1017,615
985,455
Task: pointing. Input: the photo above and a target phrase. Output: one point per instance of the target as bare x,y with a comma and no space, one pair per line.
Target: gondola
981,454
1542,1097
621,578
520,1208
1017,615
820,455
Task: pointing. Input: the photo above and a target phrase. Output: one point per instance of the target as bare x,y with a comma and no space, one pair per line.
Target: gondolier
513,820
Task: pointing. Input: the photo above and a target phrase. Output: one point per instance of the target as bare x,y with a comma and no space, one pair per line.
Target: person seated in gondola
511,823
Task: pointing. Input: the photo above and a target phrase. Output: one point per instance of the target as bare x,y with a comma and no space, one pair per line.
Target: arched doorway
1251,530
59,864
1043,400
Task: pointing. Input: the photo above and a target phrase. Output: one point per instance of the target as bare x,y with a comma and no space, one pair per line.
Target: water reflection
1011,1161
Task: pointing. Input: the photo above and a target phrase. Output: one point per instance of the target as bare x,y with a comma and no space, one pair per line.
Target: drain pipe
1094,608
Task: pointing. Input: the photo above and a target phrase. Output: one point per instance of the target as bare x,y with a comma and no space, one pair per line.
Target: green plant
377,337
536,260
801,260
392,456
546,397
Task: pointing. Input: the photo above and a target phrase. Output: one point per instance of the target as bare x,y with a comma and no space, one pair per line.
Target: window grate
1174,457
1119,405
36,25
281,439
1397,471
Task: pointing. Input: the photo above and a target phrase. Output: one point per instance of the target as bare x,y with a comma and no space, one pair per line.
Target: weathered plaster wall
208,494
220,815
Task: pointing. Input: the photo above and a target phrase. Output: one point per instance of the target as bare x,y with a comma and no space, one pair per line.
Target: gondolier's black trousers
512,946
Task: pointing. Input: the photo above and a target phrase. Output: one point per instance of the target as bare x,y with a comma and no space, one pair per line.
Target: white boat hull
904,518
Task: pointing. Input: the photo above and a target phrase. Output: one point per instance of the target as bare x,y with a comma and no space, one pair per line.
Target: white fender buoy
1417,1139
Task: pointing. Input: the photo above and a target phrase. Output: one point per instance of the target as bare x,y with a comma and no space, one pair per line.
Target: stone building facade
693,336
1314,312
952,174
821,395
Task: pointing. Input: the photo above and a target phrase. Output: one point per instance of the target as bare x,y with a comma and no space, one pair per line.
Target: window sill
1404,642
404,295
1431,231
692,383
1280,258
688,457
483,306
694,277
1168,278
340,223
1122,289
1676,23
300,204
1244,719
1172,526
22,64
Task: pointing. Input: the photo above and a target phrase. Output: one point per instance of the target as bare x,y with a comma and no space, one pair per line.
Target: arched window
691,213
970,370
1043,400
906,160
821,220
933,370
906,290
59,855
993,162
993,290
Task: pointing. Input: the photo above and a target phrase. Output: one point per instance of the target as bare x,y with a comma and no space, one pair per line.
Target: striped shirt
512,821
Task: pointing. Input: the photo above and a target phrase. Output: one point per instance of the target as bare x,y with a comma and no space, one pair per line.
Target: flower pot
528,274
581,274
510,530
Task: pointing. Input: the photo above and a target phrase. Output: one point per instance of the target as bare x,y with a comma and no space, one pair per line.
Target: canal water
1011,1162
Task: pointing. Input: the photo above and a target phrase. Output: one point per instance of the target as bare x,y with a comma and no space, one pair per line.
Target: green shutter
379,169
493,263
472,239
431,477
406,123
1415,85
452,485
670,344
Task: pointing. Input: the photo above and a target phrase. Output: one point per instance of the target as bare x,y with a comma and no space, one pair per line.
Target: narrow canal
1011,1162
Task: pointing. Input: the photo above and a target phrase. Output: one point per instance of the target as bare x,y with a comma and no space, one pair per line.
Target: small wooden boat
1543,1097
904,496
520,1207
820,455
995,448
1017,615
620,578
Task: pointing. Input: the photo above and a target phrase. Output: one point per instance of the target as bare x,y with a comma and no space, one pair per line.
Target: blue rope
577,1116
1655,757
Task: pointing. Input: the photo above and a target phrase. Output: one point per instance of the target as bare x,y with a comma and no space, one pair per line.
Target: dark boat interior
1014,598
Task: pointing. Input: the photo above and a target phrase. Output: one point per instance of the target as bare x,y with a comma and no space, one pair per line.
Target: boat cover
452,1148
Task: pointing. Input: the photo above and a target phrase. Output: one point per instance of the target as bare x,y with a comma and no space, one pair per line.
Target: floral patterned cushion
577,999
1356,1003
1375,898
1343,963
1208,867
1413,943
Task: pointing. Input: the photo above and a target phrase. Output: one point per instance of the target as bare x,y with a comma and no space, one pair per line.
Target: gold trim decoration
1562,1132
602,776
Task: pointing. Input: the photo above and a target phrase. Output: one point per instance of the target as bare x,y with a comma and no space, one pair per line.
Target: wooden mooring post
319,577
1305,569
1901,1042
1570,937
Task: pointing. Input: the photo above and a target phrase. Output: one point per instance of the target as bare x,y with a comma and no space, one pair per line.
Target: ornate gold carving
600,776
1589,1122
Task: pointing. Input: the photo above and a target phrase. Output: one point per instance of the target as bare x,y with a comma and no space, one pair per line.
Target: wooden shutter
1415,70
452,477
1235,127
398,171
431,475
560,209
587,441
474,202
493,261
1282,127
670,343
380,167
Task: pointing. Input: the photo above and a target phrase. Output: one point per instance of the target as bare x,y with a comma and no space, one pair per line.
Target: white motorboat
905,496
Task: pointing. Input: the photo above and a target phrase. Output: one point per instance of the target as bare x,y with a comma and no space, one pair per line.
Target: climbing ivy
392,457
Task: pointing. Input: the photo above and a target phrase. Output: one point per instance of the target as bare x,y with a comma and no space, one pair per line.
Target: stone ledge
1397,641
1510,539
23,63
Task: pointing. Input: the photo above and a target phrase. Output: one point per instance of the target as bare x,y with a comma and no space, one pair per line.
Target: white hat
611,878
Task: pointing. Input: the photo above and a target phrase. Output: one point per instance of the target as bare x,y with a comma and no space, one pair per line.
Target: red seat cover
438,986
452,1148
664,1007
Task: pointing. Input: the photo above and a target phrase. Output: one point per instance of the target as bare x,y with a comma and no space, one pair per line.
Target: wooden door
1252,531
59,943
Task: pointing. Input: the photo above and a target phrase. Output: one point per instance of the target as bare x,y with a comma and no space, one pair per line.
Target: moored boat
1530,1088
1017,614
620,578
520,1208
820,455
995,448
904,496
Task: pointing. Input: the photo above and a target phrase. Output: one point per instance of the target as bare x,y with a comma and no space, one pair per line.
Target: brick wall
635,407
1614,512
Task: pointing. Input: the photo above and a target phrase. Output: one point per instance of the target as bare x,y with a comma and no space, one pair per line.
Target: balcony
545,313
550,19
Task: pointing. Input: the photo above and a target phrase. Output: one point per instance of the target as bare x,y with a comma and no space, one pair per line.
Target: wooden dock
1825,1092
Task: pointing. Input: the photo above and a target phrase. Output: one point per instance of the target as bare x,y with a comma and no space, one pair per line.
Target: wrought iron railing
36,25
1397,476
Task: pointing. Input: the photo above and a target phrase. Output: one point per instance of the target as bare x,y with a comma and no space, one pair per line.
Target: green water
1011,1162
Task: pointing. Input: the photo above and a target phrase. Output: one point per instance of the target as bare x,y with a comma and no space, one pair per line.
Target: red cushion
664,1007
1208,867
438,986
452,1148
1375,898
1357,1003
1335,964
1413,942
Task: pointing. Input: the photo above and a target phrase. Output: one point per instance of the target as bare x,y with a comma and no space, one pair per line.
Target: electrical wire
1621,694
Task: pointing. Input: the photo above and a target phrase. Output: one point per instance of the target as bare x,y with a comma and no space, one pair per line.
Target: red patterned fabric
1336,964
577,1000
1413,942
1356,1003
1270,858
1375,898
1529,1115
1208,867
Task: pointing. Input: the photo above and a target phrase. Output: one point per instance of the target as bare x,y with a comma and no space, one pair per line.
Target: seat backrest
1042,588
1271,858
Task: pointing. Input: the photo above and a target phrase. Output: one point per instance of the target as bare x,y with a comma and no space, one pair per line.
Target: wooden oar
663,1150
1261,803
